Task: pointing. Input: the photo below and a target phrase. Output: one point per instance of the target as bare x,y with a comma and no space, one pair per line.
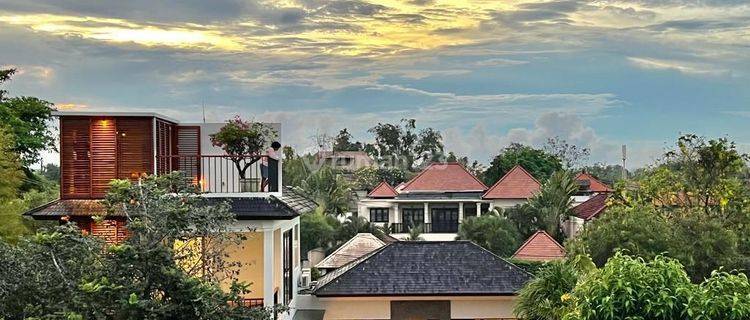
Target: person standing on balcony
269,168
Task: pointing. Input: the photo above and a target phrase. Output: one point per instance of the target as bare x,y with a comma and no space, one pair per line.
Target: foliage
10,168
476,168
492,232
26,119
539,163
353,225
402,144
609,174
542,298
415,234
62,274
570,155
330,190
554,202
529,266
641,232
317,230
632,288
243,138
525,218
343,142
722,296
367,178
296,168
51,172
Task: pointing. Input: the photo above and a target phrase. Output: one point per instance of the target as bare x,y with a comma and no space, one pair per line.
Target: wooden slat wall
189,144
164,146
112,231
134,147
103,155
75,178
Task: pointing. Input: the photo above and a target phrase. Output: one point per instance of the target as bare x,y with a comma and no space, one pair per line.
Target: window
378,214
413,216
287,272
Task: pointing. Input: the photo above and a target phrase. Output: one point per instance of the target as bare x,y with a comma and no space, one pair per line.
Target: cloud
679,66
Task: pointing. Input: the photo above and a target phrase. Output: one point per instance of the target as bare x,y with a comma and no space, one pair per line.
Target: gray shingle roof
425,268
297,200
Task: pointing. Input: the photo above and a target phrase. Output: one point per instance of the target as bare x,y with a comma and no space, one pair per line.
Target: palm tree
415,234
544,297
554,202
353,225
330,190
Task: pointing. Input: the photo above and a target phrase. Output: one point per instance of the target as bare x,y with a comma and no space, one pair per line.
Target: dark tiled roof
592,207
425,268
540,247
297,200
257,208
72,207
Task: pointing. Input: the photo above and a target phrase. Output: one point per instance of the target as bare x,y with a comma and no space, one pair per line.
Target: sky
598,74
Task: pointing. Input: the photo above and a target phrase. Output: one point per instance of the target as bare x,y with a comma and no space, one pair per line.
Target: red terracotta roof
594,184
383,190
444,177
592,207
540,247
516,184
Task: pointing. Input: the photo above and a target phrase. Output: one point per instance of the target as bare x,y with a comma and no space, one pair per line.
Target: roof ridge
518,166
345,244
383,183
456,163
533,236
350,266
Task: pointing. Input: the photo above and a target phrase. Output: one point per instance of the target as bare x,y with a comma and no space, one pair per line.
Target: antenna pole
204,111
624,156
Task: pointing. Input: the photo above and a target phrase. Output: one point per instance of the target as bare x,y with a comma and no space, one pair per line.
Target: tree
415,234
400,143
367,178
353,225
492,232
640,232
63,274
317,230
26,119
570,155
296,168
476,168
10,168
540,164
330,190
609,174
343,142
722,296
554,202
51,172
542,297
526,219
240,139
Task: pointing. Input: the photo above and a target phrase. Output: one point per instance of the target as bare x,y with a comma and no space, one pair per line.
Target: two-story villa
440,197
96,147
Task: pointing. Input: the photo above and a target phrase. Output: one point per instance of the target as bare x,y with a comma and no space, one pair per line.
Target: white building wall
380,307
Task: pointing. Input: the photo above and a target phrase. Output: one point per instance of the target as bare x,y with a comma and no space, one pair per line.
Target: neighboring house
346,161
422,280
440,197
96,147
540,247
589,202
355,248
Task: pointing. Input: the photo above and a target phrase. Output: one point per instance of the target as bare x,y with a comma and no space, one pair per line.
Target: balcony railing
434,227
226,174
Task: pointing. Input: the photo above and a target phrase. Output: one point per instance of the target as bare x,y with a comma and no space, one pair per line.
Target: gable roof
592,207
516,184
425,268
540,247
444,177
383,190
594,185
358,246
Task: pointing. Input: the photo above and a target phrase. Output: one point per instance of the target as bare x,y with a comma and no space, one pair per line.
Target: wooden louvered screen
134,147
164,146
103,155
189,145
75,158
112,231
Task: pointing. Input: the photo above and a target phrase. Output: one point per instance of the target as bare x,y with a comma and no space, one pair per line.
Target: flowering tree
240,139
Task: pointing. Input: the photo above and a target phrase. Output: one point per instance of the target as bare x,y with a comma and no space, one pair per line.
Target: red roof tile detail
383,190
592,207
516,184
594,184
444,177
540,247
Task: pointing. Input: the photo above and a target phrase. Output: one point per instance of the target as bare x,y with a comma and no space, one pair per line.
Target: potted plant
243,141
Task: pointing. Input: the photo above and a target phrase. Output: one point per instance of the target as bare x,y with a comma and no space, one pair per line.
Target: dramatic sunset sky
597,73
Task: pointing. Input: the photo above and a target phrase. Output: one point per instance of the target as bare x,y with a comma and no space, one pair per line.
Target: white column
492,205
479,209
460,212
396,215
268,258
426,212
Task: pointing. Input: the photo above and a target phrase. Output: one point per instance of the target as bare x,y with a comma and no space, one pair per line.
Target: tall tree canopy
27,119
537,162
571,156
402,144
344,142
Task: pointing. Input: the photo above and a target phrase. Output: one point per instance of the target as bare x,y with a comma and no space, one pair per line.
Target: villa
97,147
440,197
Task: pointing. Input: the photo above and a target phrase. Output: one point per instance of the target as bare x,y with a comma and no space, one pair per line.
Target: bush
542,297
492,232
